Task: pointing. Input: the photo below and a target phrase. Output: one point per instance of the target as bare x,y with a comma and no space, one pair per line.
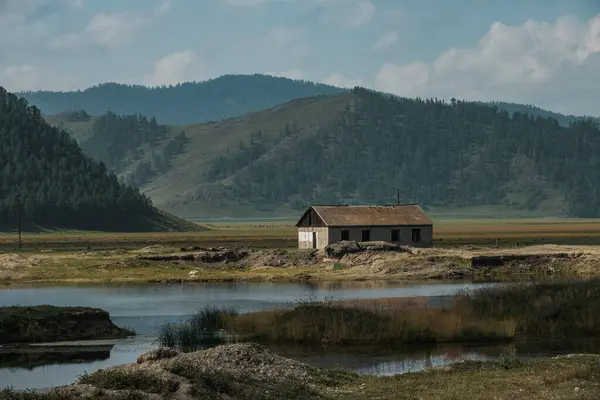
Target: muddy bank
249,371
52,324
345,261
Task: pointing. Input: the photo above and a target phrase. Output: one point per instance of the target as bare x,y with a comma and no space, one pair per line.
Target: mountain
134,147
59,187
186,103
563,120
360,146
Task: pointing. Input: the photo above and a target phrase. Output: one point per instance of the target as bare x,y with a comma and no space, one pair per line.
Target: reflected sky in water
144,307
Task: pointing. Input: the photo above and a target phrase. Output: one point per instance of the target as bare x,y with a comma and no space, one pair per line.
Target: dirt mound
157,354
282,258
340,249
237,371
243,258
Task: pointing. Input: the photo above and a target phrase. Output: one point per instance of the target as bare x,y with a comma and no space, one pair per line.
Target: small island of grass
45,323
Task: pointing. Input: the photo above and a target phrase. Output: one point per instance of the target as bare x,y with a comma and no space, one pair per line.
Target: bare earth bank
346,261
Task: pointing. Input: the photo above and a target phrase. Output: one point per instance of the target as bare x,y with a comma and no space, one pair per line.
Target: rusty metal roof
372,215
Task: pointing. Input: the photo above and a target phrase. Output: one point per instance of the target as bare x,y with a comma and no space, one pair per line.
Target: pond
144,307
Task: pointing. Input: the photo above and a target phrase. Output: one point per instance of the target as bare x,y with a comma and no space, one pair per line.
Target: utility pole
398,196
19,218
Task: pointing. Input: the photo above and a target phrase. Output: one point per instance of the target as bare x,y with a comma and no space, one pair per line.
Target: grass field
114,257
282,234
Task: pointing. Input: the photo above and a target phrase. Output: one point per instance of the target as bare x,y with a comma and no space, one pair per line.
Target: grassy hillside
359,146
134,147
187,103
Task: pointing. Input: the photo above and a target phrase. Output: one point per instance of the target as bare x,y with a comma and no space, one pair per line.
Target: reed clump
500,313
549,310
203,328
354,323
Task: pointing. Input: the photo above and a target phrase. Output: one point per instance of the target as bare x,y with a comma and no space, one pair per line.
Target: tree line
58,185
437,153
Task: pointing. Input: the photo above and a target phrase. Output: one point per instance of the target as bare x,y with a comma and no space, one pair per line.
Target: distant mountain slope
134,147
359,146
58,186
187,103
563,120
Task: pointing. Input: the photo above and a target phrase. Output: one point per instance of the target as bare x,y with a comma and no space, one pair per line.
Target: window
395,236
366,235
416,235
345,235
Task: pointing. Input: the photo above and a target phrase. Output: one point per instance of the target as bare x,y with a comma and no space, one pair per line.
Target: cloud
386,41
348,13
339,80
19,77
511,62
291,74
110,29
170,69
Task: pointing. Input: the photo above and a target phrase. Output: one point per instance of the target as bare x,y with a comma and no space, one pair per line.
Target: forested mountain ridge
224,97
360,146
58,186
134,147
187,103
563,119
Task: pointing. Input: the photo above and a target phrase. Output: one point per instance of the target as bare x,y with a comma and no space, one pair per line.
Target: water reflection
386,361
31,358
41,373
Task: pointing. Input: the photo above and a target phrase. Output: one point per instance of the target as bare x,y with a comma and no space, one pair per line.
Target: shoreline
253,371
157,264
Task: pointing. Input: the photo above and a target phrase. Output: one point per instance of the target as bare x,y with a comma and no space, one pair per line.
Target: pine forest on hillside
437,154
133,146
59,186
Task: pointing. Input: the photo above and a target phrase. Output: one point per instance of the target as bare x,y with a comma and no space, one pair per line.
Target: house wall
383,233
311,219
305,237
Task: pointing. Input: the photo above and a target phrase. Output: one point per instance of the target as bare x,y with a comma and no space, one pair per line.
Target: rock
193,273
157,354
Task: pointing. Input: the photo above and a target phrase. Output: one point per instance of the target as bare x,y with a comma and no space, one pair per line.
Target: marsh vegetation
501,313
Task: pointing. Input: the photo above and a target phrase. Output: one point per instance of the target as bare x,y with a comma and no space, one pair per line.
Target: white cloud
386,41
508,63
348,13
19,77
110,29
291,74
341,81
171,69
405,80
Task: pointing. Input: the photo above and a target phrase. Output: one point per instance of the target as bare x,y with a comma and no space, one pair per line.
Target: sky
542,52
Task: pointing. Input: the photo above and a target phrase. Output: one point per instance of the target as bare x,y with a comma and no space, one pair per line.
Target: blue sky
545,52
